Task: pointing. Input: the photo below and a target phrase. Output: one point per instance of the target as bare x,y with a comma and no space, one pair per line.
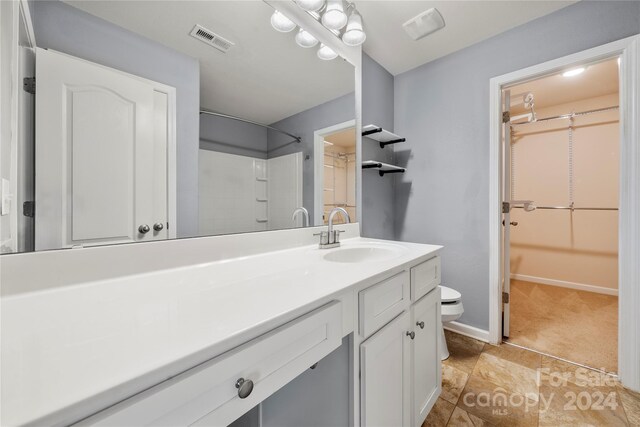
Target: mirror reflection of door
101,155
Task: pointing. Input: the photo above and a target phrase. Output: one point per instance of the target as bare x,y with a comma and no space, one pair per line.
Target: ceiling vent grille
211,38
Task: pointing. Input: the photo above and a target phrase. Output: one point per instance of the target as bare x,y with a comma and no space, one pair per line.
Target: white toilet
451,310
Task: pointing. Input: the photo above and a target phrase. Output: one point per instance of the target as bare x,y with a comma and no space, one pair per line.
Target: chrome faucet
305,215
331,238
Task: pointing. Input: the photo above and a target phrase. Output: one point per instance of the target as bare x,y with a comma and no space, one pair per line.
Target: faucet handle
336,235
324,237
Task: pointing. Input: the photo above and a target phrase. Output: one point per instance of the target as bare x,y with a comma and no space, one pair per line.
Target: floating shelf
384,137
382,167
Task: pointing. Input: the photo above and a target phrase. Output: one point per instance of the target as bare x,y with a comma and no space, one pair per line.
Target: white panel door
425,361
101,165
385,375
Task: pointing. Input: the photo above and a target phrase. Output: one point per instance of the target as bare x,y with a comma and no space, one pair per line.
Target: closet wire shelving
570,116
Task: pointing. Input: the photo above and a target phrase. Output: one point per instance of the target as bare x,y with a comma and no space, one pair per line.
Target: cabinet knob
143,229
245,387
421,324
411,334
158,226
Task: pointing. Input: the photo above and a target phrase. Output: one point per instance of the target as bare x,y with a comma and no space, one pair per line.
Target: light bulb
334,17
310,5
354,35
573,72
305,39
326,53
281,23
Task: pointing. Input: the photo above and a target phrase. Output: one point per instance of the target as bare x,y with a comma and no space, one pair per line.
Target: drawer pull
245,387
411,334
421,324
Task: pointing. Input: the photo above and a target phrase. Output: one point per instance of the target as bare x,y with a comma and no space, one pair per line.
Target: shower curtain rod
227,116
568,116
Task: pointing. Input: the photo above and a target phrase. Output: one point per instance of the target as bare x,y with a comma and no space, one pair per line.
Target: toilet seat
449,295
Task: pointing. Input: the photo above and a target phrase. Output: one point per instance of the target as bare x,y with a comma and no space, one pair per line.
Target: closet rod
568,116
227,116
569,208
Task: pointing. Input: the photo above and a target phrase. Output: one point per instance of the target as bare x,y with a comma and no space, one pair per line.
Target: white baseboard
565,284
468,331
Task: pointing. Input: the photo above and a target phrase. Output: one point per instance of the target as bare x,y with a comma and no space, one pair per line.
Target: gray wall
377,192
232,137
316,398
443,109
304,124
66,29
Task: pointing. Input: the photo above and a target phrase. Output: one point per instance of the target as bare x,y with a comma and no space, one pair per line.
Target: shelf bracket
392,171
371,131
393,141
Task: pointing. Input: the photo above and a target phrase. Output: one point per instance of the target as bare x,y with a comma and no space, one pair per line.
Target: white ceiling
467,22
597,80
265,77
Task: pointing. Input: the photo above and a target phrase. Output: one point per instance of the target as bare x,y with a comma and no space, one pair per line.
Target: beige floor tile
453,382
461,418
463,351
572,405
497,405
556,372
631,404
439,415
526,358
575,325
508,375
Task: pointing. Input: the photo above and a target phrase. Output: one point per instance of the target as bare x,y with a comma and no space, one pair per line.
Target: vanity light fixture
310,5
281,23
305,39
354,35
334,16
574,72
326,53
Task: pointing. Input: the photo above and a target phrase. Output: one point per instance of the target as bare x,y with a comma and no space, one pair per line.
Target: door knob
143,229
411,334
245,387
421,324
514,223
158,226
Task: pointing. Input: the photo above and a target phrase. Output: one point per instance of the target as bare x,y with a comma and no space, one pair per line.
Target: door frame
318,169
629,225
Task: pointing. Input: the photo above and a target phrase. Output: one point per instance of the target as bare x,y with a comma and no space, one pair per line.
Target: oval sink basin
363,254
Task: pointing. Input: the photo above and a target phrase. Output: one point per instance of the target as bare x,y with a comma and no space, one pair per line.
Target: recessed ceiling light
574,72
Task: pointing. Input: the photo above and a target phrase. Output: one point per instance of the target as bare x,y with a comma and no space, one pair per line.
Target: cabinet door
384,375
425,360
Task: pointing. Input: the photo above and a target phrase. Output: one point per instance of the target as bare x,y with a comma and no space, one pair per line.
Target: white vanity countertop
70,351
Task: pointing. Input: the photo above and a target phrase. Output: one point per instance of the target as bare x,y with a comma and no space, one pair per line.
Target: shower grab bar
569,208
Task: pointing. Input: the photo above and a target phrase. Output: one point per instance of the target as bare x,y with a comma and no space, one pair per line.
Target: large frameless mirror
153,120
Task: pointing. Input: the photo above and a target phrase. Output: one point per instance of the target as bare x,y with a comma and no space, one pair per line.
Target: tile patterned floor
485,385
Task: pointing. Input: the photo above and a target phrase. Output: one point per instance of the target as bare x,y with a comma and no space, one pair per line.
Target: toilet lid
450,295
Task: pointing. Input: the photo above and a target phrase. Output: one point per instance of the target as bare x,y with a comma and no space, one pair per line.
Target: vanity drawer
381,303
425,277
207,394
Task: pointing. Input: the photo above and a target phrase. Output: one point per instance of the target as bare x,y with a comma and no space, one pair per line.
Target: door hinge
505,298
29,85
506,117
506,207
29,209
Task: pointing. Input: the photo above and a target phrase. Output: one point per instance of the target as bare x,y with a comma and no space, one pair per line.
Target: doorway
561,181
628,246
335,172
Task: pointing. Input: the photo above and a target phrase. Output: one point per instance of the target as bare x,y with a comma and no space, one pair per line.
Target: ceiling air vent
211,38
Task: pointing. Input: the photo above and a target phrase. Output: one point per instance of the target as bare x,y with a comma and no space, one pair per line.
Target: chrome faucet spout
332,214
305,215
331,238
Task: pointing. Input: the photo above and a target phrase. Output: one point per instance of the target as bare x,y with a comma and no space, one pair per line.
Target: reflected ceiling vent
211,38
424,24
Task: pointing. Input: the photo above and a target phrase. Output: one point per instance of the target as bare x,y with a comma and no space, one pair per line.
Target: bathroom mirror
170,119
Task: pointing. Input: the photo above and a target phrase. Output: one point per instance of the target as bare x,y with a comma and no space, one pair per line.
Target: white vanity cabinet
400,370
